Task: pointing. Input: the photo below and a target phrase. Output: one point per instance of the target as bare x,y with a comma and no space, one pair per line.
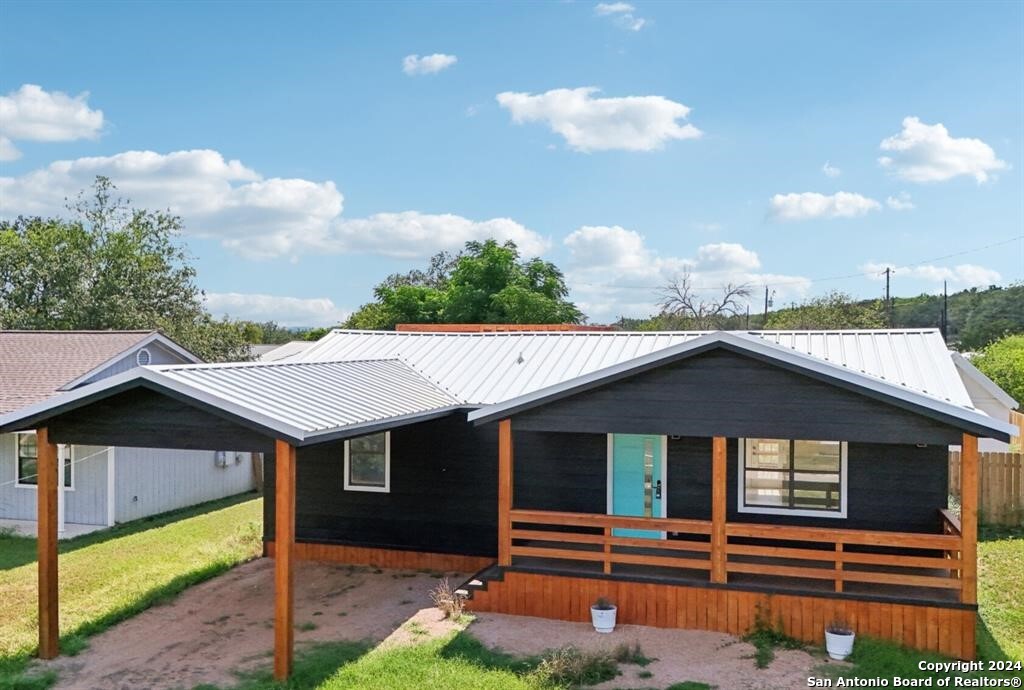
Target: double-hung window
28,461
792,477
368,463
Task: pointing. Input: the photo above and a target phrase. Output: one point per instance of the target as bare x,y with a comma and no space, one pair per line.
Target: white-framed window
368,463
792,477
27,451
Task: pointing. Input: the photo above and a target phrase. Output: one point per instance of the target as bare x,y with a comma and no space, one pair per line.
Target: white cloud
414,65
612,272
254,216
814,206
965,275
926,153
32,114
286,311
412,234
900,202
830,170
589,123
622,13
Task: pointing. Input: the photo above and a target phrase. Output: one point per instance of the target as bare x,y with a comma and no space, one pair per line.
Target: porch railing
894,559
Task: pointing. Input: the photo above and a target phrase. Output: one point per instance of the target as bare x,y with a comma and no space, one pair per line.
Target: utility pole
945,313
765,306
748,317
888,300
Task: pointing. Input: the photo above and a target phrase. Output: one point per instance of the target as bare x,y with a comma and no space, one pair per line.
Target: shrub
447,600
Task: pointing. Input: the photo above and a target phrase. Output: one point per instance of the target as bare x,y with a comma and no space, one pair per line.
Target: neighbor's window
368,462
792,477
28,461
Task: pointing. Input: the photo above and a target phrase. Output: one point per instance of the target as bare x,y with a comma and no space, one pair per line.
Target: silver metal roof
486,368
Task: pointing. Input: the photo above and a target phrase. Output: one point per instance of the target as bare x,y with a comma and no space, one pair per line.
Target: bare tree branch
679,299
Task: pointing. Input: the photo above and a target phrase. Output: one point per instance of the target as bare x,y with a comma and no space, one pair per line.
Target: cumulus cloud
927,153
622,14
815,206
254,216
965,275
32,114
590,123
830,170
286,311
612,272
414,65
900,202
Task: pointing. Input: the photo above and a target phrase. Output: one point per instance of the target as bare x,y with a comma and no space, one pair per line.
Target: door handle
657,489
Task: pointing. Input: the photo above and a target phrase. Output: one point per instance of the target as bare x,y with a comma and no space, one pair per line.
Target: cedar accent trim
730,610
504,492
385,558
284,581
969,518
46,516
718,498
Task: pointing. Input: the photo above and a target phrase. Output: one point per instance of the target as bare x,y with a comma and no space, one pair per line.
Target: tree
836,310
109,267
485,283
680,301
1003,362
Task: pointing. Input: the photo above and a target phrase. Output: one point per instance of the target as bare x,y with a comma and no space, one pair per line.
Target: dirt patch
679,655
226,625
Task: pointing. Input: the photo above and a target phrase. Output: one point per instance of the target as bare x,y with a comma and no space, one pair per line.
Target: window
789,477
368,463
28,459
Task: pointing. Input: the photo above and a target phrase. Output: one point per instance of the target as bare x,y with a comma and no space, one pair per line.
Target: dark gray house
693,478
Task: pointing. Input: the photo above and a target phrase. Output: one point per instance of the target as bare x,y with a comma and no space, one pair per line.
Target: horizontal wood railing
563,540
869,566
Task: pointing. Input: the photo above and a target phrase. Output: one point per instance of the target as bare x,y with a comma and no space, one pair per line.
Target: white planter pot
838,645
603,619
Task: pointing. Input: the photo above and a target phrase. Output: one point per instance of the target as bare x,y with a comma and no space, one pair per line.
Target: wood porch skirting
384,558
948,631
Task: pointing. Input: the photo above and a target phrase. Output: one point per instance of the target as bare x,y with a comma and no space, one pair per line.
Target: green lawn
110,575
1001,593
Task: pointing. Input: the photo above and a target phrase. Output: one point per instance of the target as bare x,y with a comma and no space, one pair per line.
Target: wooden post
284,548
718,494
969,519
505,492
46,519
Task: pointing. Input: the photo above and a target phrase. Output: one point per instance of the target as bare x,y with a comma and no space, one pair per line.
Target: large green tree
1003,362
487,282
108,266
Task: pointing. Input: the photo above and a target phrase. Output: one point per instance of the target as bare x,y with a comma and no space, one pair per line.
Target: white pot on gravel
839,642
602,615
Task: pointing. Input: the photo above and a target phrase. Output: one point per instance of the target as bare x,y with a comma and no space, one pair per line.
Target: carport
269,408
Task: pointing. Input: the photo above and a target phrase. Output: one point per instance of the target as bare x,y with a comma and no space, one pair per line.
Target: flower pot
603,619
839,644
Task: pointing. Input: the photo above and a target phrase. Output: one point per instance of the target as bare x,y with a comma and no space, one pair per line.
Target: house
697,479
988,397
102,484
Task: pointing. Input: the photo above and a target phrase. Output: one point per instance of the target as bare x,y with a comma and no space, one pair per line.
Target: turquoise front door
637,480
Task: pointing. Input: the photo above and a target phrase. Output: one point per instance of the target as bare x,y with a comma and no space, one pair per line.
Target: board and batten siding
153,480
85,504
722,393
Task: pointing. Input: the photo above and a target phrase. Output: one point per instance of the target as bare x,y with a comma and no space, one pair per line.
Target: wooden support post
284,550
505,492
718,494
969,519
46,519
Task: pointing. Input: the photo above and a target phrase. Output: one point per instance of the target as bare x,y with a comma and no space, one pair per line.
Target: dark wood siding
890,487
565,472
144,418
721,393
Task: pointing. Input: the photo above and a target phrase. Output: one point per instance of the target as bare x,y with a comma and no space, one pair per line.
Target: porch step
478,582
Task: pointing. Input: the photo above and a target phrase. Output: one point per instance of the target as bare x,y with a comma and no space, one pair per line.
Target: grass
1001,593
313,665
766,638
108,576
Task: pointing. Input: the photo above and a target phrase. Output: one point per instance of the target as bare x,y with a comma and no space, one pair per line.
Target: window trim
741,486
68,449
386,489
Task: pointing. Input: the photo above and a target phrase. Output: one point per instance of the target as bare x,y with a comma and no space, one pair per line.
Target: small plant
645,674
766,638
627,653
306,626
447,600
838,627
569,666
603,604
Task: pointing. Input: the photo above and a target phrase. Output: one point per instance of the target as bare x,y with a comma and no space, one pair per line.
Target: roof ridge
84,331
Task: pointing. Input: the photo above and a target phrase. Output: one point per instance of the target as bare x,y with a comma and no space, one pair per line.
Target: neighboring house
986,396
697,479
102,484
274,353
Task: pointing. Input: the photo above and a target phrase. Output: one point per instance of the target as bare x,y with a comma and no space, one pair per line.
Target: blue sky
309,158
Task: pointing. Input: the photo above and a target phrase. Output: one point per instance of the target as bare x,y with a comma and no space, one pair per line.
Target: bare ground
223,626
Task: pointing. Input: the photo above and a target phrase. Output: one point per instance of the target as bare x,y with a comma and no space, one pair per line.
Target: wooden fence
1001,485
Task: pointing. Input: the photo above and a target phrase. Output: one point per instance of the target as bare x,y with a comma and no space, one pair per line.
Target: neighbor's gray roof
486,368
34,365
276,353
